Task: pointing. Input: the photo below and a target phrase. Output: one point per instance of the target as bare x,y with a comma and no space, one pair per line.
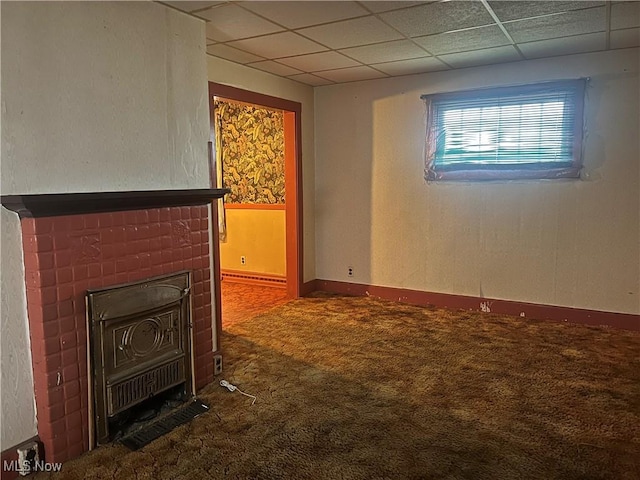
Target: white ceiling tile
625,15
352,74
319,61
386,52
351,33
192,6
463,40
383,6
438,17
303,14
564,46
230,22
514,10
409,67
629,37
274,67
486,56
310,79
560,25
458,34
232,54
286,44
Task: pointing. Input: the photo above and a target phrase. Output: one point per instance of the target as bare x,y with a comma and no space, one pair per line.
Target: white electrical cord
233,388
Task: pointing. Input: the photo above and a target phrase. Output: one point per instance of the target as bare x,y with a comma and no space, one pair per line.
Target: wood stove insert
139,345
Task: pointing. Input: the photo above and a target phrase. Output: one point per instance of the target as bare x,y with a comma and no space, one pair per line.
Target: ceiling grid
325,42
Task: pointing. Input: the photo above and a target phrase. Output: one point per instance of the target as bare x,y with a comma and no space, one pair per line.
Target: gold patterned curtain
222,218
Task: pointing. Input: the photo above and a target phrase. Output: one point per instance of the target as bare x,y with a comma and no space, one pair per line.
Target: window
531,131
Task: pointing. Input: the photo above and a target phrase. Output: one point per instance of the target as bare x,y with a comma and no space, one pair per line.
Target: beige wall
96,96
125,109
570,243
229,73
17,402
259,236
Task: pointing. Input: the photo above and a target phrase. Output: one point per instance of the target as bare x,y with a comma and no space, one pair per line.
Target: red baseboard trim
308,288
9,456
626,321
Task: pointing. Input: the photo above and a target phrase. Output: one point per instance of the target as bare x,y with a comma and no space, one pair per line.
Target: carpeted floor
358,388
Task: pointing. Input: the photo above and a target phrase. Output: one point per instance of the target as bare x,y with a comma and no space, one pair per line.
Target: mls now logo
29,462
25,467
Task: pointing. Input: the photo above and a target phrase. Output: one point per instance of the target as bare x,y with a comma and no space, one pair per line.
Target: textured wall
96,96
102,95
16,375
569,243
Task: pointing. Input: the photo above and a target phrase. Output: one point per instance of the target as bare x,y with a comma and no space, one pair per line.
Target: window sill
488,174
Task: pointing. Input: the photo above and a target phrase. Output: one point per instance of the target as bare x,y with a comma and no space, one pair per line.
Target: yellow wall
259,235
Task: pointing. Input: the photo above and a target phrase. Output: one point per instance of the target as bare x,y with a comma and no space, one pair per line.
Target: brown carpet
358,388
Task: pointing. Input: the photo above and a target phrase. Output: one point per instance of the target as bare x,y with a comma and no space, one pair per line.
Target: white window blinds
534,128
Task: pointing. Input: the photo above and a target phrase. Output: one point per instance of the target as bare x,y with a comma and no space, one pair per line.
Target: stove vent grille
130,392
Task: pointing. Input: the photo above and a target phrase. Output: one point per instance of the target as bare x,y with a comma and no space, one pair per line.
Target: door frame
293,184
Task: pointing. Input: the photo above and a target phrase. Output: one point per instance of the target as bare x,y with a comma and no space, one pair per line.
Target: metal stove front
140,345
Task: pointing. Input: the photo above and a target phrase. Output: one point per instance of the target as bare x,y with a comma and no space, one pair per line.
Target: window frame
529,171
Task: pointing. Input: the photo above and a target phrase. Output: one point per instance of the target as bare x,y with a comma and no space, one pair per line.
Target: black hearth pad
149,433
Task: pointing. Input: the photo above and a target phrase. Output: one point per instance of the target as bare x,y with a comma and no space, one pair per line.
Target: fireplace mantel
77,242
55,204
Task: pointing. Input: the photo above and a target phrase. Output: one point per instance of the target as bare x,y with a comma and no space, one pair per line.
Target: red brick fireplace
76,242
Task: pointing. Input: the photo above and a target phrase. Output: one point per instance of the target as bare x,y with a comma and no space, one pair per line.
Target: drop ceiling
322,43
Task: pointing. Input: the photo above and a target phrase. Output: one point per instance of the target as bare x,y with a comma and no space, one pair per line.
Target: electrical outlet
217,364
28,458
350,271
243,260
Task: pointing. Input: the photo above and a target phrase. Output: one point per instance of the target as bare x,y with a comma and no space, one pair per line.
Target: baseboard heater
253,278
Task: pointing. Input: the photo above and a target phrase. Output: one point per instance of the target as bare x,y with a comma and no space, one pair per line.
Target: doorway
291,122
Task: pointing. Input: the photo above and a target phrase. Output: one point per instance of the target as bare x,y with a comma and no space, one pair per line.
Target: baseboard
8,456
254,278
308,288
626,321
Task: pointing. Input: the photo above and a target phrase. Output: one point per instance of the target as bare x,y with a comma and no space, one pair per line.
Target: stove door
140,343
